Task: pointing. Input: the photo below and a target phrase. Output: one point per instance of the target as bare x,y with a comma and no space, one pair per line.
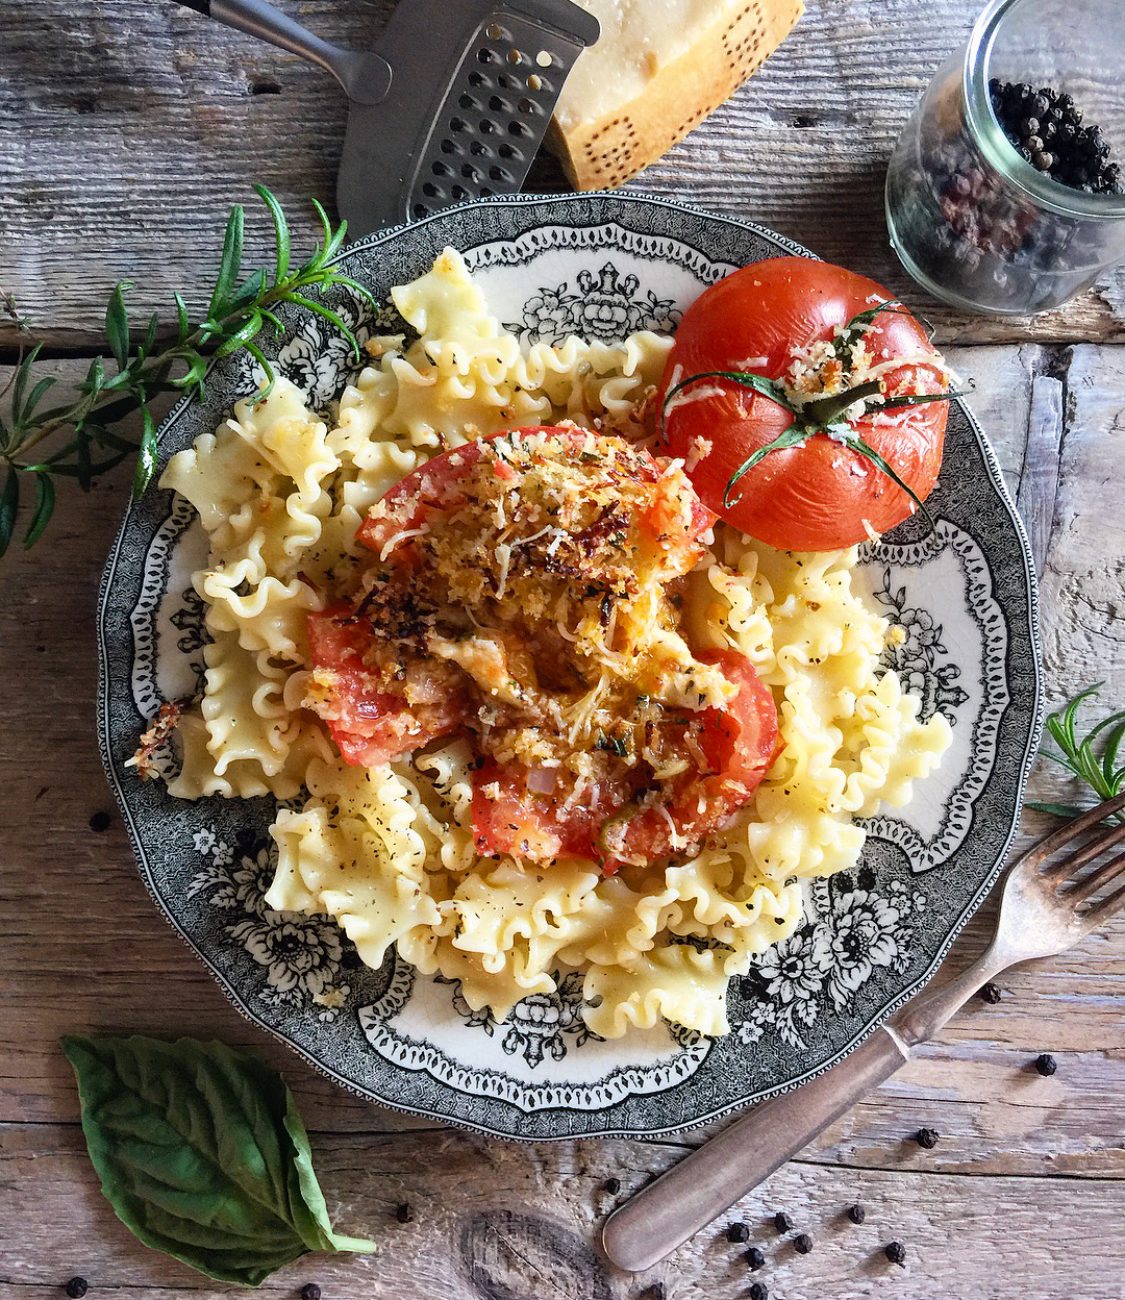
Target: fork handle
689,1195
365,77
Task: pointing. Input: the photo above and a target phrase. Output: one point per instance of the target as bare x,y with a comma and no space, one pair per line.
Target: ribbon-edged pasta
388,852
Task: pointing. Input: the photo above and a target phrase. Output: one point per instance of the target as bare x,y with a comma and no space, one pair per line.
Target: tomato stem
827,409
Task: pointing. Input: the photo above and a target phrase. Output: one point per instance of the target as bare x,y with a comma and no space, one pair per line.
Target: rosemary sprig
1094,759
131,377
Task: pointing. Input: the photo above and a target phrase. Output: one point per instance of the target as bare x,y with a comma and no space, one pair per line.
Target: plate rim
1031,589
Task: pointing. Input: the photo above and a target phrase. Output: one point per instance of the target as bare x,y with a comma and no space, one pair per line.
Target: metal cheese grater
451,103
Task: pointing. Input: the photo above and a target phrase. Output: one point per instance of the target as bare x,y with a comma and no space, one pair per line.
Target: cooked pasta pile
388,851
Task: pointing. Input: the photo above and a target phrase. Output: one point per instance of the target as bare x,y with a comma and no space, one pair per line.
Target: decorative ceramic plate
599,266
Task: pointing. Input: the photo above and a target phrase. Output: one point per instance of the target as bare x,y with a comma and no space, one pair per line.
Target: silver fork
1047,906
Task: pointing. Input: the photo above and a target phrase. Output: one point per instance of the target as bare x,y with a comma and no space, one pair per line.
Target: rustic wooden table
129,129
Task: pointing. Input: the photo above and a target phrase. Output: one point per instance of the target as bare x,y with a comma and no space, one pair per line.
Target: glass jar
970,217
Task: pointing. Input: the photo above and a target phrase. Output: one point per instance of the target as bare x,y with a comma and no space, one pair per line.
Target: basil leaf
202,1154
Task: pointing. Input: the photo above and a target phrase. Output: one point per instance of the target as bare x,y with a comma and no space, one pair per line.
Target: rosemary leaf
117,325
230,262
280,230
147,455
9,505
44,508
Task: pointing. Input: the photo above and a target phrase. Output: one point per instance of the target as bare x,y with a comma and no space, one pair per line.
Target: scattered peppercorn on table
992,1166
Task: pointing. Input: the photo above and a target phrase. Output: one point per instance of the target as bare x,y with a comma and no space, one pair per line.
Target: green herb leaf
321,310
146,456
9,506
23,374
202,1154
1100,771
241,336
249,291
280,230
1067,810
44,508
41,389
230,262
117,325
183,320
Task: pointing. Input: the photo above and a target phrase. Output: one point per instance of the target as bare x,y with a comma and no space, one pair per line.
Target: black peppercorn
738,1233
754,1257
612,1186
759,1291
1046,1064
77,1287
927,1137
857,1213
310,1291
403,1213
100,822
782,1222
895,1251
802,1243
990,993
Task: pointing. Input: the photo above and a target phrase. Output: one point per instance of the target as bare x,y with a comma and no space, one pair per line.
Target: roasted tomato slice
435,488
738,744
820,495
369,726
511,816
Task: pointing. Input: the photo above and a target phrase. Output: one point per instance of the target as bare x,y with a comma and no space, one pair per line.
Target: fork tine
1091,849
1108,905
1043,850
1097,880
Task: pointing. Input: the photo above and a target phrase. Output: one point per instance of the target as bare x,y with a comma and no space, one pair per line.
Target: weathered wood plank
489,1226
131,128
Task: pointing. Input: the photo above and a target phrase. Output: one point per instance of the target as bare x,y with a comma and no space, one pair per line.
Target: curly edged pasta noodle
388,851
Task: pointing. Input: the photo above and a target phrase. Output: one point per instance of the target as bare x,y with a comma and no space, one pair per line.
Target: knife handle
365,77
689,1195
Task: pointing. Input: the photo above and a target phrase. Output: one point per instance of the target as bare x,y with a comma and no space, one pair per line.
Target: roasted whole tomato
822,494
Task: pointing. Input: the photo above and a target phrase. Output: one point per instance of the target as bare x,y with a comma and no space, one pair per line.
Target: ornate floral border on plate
600,265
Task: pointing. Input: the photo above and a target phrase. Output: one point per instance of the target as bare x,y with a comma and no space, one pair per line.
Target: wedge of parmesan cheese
659,68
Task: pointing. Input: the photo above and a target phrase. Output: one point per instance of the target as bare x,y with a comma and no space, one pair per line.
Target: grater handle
365,77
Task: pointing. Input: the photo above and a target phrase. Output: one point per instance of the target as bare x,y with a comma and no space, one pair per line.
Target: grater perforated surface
487,130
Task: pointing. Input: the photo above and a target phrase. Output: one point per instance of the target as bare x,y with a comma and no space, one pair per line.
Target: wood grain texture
127,130
1024,1163
491,1225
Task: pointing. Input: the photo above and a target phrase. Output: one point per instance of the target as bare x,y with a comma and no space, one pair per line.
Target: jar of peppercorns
1004,193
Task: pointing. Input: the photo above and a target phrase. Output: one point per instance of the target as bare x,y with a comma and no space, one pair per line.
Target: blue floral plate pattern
600,266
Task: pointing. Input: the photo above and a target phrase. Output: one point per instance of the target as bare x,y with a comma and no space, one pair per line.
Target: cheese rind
660,67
